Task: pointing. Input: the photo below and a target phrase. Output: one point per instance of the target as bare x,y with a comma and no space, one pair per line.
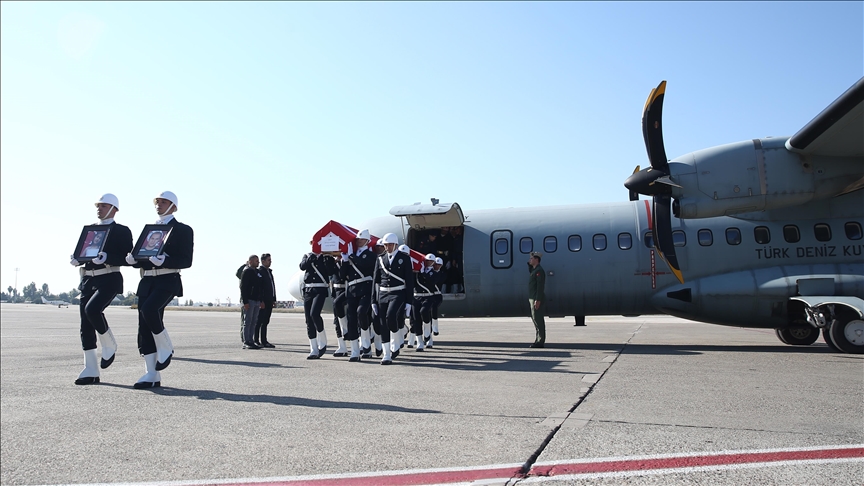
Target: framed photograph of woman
151,241
91,242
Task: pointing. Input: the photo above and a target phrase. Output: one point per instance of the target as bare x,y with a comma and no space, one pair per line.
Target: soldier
340,320
537,297
160,283
357,269
440,277
100,282
394,275
424,299
374,318
316,278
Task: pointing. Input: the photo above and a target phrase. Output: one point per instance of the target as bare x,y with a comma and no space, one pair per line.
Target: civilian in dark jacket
268,298
251,283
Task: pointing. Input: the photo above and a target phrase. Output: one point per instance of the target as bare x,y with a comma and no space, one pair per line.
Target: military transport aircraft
765,233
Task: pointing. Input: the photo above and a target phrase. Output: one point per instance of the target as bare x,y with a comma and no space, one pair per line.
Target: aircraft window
706,237
853,231
733,236
762,235
526,245
679,238
501,246
791,233
625,241
550,244
649,239
599,242
574,243
822,231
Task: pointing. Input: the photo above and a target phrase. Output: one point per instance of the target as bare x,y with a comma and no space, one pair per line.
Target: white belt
392,289
96,273
158,271
338,286
315,285
360,280
430,294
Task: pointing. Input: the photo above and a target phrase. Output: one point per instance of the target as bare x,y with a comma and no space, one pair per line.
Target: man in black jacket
268,299
101,281
251,283
160,283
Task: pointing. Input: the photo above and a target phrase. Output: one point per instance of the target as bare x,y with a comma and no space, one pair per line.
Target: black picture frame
144,247
91,242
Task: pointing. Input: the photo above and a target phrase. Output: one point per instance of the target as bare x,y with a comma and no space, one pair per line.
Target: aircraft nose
294,287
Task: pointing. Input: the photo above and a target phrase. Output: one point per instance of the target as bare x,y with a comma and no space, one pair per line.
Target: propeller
656,181
634,196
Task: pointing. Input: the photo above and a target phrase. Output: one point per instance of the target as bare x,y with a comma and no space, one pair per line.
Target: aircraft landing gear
827,337
847,333
798,336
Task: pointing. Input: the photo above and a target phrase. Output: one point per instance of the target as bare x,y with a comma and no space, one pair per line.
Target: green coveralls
536,291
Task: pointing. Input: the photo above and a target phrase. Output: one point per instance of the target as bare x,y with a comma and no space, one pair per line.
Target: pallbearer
101,281
424,300
340,320
357,270
160,283
316,287
440,277
394,275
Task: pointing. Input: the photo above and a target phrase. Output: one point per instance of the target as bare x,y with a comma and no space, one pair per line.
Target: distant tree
209,304
29,292
45,291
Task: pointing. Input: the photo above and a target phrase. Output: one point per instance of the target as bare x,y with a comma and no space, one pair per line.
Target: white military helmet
390,238
430,257
380,242
439,261
109,199
362,235
169,196
405,249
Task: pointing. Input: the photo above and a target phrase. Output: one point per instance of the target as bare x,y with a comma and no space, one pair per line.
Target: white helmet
380,242
169,196
390,238
109,199
439,261
405,249
362,235
430,257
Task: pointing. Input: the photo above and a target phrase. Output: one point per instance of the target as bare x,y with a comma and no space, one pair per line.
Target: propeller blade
662,225
634,196
652,128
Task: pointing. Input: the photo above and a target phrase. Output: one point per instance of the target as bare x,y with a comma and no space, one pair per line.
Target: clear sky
268,119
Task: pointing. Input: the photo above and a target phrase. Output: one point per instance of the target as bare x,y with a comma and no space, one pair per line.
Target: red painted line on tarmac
680,462
398,479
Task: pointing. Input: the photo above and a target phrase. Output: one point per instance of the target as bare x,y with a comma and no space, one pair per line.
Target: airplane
765,233
58,303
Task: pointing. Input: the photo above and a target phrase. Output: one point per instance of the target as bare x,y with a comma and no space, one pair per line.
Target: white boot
109,348
164,349
341,351
435,326
410,340
386,360
90,374
365,341
322,342
152,378
378,347
313,346
343,323
355,351
420,344
429,342
427,330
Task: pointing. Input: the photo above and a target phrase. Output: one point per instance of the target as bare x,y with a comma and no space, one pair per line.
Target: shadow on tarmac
250,364
650,349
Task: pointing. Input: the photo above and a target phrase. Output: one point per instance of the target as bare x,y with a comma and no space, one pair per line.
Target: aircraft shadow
650,349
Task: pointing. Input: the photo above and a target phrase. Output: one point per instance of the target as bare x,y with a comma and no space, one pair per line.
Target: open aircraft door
424,216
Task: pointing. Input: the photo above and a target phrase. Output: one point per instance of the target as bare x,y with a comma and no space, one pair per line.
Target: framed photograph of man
90,242
151,241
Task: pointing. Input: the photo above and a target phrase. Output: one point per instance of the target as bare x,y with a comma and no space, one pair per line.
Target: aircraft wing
836,132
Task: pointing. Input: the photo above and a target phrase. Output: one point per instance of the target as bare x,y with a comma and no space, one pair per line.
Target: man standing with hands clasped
537,297
251,283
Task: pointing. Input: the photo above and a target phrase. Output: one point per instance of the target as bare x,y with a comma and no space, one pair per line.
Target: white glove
375,309
407,309
130,259
73,261
350,249
345,257
100,258
157,260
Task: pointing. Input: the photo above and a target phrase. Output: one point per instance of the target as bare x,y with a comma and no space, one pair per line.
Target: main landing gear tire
798,336
827,337
847,334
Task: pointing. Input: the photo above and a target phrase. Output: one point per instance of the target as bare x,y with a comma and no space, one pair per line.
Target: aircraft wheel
781,336
827,337
798,336
848,334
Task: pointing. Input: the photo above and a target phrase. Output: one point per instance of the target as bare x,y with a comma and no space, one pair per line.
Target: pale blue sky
269,119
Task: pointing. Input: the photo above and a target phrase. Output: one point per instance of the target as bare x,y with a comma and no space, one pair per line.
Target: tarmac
624,400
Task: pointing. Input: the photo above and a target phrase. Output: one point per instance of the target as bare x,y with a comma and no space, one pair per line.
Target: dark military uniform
316,287
395,281
358,272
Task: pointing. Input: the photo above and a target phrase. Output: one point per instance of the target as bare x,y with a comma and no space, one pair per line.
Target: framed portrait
152,241
91,242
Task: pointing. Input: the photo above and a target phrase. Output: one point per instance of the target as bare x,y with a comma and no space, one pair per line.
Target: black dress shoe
354,359
87,380
107,362
366,350
321,351
395,354
337,354
429,346
161,366
313,356
143,385
378,352
251,346
536,345
435,333
386,362
419,350
426,339
267,345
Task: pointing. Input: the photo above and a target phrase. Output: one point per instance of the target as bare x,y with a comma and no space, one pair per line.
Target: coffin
334,237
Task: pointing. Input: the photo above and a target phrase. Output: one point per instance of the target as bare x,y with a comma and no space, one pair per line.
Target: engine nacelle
757,175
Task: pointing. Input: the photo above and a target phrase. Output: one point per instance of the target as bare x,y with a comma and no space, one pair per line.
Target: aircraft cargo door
502,249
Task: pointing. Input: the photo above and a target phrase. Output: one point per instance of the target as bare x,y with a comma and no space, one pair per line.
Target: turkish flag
334,237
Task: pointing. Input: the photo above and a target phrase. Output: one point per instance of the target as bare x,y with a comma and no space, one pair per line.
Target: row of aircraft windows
705,237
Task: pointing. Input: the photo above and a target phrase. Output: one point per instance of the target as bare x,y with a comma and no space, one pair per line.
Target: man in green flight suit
537,297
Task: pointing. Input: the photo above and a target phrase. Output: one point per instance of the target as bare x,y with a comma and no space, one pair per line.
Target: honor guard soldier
357,269
424,300
440,277
101,281
316,288
374,318
340,320
160,283
394,275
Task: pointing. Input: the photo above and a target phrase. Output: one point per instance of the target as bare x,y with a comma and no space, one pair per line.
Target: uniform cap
363,235
390,238
167,195
536,254
430,257
109,199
